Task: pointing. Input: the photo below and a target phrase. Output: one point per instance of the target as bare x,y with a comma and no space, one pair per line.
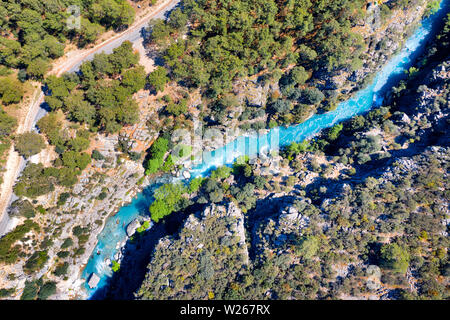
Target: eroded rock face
132,226
210,245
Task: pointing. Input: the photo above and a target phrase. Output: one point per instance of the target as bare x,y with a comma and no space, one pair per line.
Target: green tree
89,32
394,257
158,78
73,159
29,143
166,198
30,291
134,79
7,124
308,247
47,290
177,109
334,132
299,75
37,68
61,269
79,144
159,209
11,90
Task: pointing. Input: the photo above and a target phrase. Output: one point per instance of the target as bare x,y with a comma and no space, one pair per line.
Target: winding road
16,163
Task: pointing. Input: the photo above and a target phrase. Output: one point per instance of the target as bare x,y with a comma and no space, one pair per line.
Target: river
362,101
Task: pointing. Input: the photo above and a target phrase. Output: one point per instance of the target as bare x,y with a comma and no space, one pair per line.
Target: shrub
311,96
68,242
29,143
35,262
63,198
96,155
61,270
47,290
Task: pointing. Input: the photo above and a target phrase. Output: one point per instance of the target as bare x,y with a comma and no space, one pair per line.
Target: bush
166,198
30,291
61,270
73,160
115,266
35,262
68,242
102,195
29,143
63,198
11,90
96,155
22,208
299,75
158,78
63,254
394,257
311,96
334,132
8,253
4,293
7,124
157,153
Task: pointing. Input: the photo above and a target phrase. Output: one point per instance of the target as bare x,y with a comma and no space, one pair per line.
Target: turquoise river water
114,231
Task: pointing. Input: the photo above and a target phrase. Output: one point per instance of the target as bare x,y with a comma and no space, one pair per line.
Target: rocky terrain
377,199
229,235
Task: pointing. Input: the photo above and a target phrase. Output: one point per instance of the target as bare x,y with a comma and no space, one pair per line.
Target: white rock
186,174
132,226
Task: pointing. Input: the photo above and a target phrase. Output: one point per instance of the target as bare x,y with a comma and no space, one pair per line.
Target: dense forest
34,32
292,41
239,38
369,191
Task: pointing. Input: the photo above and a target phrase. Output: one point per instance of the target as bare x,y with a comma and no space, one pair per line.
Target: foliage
395,257
30,291
115,266
158,78
61,269
34,33
7,124
226,42
157,152
29,143
167,197
11,90
22,208
35,262
47,290
97,97
308,247
8,253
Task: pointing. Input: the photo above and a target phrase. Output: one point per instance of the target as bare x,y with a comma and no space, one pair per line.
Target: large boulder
132,226
93,281
186,174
